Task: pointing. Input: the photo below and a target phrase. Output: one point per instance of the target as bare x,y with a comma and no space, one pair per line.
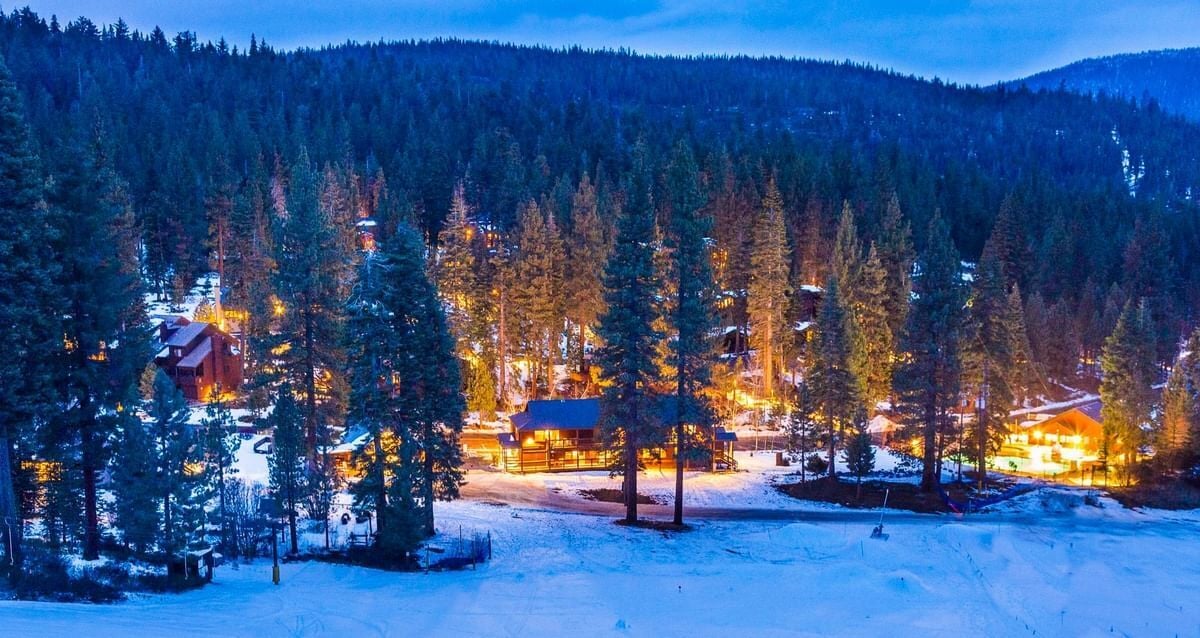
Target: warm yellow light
43,471
277,307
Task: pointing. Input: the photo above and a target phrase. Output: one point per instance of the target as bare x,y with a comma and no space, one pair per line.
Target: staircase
724,462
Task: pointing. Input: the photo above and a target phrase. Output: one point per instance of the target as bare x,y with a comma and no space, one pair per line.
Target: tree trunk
929,479
427,488
981,453
502,343
91,537
168,524
11,524
310,384
583,366
291,514
221,505
832,445
679,451
631,475
377,470
768,362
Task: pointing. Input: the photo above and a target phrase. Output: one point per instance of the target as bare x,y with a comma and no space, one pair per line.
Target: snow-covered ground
1093,572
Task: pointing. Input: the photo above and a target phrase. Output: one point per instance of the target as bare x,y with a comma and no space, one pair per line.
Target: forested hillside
1169,77
187,124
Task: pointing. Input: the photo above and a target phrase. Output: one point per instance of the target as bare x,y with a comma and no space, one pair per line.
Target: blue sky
961,40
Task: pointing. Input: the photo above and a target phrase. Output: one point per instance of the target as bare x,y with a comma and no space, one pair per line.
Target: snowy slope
560,574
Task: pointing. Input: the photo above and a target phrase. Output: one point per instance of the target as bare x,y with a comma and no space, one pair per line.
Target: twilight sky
976,41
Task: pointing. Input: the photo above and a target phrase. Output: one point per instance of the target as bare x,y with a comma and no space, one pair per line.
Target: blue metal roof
723,435
558,414
575,414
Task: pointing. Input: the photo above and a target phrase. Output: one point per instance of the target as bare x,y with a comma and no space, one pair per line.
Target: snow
1084,571
251,466
757,562
1056,408
203,292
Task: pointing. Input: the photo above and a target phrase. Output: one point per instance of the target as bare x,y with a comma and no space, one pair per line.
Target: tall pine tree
28,274
693,316
927,380
836,394
1128,365
629,416
768,291
313,270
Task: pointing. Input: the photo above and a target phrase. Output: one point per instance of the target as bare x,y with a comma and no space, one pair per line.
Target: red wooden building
198,357
559,435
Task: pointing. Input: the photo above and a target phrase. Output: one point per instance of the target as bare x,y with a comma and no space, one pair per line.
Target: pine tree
481,390
874,349
859,453
768,290
324,482
927,380
537,293
1041,332
693,316
373,351
313,269
1028,375
177,452
628,415
406,389
429,384
801,429
134,482
221,443
587,254
103,325
28,275
454,269
1127,364
1062,351
1191,370
897,256
990,358
250,263
835,390
1179,409
847,252
286,464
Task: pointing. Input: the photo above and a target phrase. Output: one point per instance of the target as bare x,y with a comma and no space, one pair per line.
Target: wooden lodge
563,435
198,357
1067,441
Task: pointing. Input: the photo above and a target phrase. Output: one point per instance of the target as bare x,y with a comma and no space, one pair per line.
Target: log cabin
199,357
562,435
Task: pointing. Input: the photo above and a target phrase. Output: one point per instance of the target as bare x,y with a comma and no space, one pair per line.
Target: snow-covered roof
187,334
197,355
881,423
